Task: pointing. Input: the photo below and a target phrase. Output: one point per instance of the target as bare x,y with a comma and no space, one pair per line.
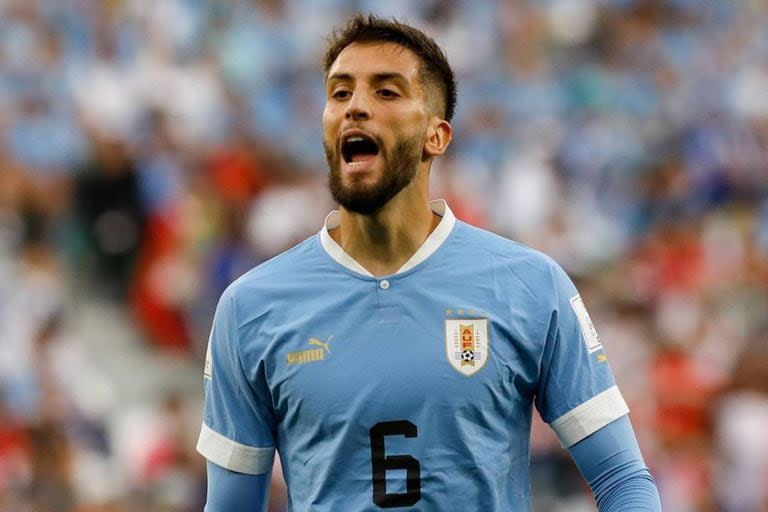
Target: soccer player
393,360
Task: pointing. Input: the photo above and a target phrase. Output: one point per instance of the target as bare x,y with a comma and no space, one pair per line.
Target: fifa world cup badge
466,344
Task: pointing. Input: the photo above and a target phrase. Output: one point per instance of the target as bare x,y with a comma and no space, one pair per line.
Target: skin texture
375,89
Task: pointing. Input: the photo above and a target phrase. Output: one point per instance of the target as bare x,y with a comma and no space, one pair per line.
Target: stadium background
153,150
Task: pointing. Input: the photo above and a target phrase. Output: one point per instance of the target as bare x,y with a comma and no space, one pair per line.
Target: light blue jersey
412,391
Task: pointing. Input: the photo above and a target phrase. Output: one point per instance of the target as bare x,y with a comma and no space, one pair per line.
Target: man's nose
358,108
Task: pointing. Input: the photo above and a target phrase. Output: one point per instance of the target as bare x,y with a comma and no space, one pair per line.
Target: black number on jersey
381,463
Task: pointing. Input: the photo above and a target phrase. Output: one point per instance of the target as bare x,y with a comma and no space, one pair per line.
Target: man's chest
396,355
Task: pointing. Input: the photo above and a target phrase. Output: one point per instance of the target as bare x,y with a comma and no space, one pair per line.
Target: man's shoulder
521,273
290,265
502,249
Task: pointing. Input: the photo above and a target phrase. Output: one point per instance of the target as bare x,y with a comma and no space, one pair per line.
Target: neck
383,241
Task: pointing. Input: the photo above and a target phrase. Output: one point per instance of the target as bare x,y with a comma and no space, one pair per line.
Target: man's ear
439,134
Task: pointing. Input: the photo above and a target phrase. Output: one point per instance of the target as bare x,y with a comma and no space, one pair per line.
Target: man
393,360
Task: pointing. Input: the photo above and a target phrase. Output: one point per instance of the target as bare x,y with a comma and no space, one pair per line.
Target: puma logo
324,344
313,354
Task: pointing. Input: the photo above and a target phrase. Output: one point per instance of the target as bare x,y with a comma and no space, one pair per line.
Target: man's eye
387,93
340,95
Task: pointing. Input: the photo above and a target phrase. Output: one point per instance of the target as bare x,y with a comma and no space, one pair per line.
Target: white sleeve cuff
590,416
232,455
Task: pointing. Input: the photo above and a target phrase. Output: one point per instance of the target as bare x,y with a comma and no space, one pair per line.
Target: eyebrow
377,77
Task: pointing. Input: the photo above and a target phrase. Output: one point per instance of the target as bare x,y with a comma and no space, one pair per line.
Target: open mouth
358,148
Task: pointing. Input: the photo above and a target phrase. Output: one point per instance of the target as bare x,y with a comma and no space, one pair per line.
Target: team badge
466,343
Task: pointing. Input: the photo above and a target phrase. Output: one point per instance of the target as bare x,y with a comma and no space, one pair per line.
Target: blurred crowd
152,151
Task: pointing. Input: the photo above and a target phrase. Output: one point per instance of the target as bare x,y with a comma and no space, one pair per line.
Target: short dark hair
435,69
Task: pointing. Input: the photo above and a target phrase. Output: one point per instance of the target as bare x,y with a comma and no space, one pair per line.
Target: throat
380,248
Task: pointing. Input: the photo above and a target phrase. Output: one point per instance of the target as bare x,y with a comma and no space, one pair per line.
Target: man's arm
237,432
229,491
578,396
611,463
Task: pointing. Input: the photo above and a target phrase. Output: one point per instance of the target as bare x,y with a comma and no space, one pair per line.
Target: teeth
355,138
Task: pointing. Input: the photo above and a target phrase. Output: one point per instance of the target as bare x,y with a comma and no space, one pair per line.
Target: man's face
374,124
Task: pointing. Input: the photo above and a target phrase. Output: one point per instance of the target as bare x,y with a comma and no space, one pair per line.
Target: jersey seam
238,347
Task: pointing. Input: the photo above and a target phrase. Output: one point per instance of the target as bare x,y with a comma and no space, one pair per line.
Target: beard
400,167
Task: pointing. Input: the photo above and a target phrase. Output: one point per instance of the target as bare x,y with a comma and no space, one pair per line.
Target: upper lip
351,132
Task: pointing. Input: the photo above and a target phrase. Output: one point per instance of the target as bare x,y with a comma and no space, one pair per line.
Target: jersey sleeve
611,463
576,393
238,420
236,492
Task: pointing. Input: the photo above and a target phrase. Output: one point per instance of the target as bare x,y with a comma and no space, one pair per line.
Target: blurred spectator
740,417
50,486
110,216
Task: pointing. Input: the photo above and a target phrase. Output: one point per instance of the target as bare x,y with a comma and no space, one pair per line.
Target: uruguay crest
466,343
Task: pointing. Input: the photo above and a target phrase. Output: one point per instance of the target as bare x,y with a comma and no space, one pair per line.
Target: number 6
381,463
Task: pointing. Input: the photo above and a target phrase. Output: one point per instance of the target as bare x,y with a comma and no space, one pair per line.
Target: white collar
430,245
